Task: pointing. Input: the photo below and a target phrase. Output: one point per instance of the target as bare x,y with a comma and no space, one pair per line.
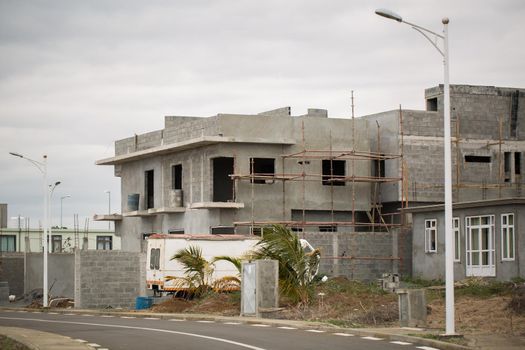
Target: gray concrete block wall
109,278
12,271
337,247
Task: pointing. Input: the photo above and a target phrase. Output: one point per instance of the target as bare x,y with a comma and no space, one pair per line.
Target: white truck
162,247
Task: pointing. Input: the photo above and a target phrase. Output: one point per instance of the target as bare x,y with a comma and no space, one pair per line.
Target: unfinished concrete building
239,173
488,144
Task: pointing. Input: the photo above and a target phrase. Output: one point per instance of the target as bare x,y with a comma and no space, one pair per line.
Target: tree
296,267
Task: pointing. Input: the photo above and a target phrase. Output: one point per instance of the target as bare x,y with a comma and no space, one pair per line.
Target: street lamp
51,190
109,207
61,200
42,167
449,248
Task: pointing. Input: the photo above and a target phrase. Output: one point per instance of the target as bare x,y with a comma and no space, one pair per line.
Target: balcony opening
432,104
477,159
176,177
222,183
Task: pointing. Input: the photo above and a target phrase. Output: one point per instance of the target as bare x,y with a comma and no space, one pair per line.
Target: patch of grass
343,285
417,282
9,344
458,340
482,288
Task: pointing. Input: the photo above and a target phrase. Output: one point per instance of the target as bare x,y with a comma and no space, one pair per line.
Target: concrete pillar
259,288
412,308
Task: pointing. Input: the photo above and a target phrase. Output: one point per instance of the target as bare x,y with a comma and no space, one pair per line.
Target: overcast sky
77,75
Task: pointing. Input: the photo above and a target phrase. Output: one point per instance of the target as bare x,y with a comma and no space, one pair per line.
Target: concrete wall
338,247
3,215
432,265
12,271
61,270
109,278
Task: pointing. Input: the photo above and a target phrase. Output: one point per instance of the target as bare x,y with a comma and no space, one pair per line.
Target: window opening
149,189
432,104
56,243
430,236
378,167
507,237
506,167
477,159
154,259
262,167
222,182
176,177
457,240
334,172
8,243
222,230
327,228
517,163
104,242
176,231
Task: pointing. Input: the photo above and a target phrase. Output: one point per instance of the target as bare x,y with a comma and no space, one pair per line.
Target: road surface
130,333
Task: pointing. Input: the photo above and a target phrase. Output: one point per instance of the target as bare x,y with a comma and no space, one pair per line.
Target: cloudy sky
77,75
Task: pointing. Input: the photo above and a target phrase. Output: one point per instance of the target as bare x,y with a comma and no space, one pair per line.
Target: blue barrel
143,303
133,201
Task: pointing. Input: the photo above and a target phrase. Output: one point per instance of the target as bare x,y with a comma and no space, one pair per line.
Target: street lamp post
49,201
449,239
109,207
61,204
42,167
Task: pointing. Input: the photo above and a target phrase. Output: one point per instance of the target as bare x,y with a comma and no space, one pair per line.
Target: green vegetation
296,268
9,344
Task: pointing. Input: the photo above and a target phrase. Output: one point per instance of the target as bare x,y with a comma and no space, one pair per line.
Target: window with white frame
104,242
507,236
431,236
457,239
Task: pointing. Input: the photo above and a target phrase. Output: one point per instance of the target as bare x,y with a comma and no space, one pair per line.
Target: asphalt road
118,332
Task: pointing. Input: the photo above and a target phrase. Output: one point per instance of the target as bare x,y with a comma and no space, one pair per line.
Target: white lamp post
449,239
42,166
50,220
109,207
61,204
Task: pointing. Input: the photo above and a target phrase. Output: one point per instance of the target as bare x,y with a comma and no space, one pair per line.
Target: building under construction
342,183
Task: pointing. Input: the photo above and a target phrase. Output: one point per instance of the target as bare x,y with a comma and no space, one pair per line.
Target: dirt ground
352,304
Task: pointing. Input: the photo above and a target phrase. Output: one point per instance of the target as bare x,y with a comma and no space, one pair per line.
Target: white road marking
260,325
400,342
22,311
94,345
425,348
344,334
412,328
87,315
286,328
175,320
372,338
223,340
127,317
151,318
107,316
315,331
205,321
232,323
81,340
69,314
53,313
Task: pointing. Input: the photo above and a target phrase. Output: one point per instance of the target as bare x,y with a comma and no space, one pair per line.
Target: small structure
412,308
260,288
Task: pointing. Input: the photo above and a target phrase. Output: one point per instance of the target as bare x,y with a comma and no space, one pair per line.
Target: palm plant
197,271
296,267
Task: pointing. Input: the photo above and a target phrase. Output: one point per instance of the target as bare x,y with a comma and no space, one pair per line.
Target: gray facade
488,145
501,257
216,158
3,215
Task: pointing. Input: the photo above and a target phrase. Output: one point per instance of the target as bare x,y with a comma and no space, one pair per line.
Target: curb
271,322
37,340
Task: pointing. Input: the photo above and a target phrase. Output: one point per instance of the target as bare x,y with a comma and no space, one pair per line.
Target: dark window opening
257,231
327,228
104,242
477,159
56,243
146,235
149,189
432,104
222,182
222,230
297,229
176,231
264,168
334,172
506,167
176,177
514,106
517,163
378,168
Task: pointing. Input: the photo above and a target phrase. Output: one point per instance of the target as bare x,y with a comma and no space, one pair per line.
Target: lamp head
389,14
16,154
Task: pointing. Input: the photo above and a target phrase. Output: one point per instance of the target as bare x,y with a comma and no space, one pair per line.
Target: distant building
3,215
60,240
